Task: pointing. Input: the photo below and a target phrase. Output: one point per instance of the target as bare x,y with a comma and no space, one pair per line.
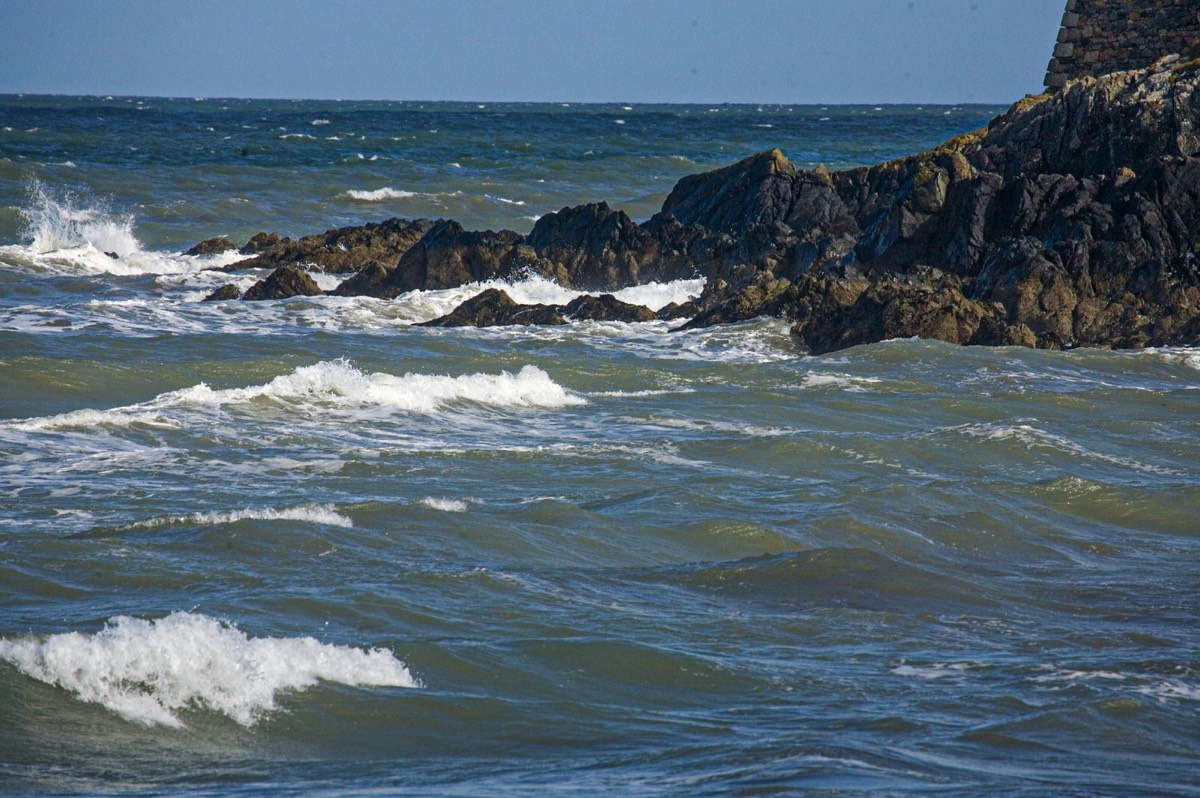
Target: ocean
304,547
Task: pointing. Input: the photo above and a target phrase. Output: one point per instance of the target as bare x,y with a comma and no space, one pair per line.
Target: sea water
305,547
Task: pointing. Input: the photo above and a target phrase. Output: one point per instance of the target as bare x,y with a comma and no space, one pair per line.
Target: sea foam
148,671
333,384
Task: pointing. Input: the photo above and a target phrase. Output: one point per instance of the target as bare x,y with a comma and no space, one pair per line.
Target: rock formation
1071,220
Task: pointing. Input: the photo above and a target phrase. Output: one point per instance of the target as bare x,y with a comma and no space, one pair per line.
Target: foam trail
309,513
149,671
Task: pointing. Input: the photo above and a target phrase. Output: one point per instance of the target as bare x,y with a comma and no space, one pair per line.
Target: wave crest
147,671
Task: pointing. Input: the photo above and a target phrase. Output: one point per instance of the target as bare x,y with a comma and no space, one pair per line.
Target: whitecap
845,382
381,194
149,671
324,514
330,385
320,122
445,505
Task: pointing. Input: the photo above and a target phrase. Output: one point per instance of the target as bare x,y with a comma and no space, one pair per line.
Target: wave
309,513
1032,438
381,194
65,232
148,671
331,384
445,505
57,223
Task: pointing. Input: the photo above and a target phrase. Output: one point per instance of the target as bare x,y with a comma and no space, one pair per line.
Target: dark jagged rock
448,256
606,307
722,303
676,311
342,250
260,242
113,255
595,248
212,246
284,282
495,308
369,281
225,292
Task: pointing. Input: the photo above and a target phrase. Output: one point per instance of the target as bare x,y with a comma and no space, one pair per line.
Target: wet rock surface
283,283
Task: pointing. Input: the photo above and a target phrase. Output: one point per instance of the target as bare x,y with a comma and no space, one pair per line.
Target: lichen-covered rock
284,282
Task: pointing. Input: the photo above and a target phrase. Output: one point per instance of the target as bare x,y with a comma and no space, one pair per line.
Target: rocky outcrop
261,242
495,308
211,246
343,250
1071,220
448,256
284,282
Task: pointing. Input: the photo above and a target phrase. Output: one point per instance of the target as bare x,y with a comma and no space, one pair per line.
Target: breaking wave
333,384
148,671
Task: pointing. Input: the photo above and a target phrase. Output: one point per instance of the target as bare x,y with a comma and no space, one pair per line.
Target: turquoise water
304,547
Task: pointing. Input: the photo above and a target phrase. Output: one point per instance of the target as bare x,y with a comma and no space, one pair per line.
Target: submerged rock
284,282
225,292
606,307
495,308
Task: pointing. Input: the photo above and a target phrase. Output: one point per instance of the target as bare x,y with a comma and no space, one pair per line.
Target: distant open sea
304,547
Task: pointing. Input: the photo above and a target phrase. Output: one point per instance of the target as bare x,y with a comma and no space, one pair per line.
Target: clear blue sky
792,51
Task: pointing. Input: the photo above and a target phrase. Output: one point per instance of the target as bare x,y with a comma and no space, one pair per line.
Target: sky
755,51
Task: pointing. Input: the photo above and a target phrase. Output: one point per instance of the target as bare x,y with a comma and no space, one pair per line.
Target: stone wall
1102,36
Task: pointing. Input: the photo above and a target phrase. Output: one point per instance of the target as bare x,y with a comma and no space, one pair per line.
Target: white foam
320,122
150,671
66,236
658,295
445,505
332,385
383,194
845,382
324,514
